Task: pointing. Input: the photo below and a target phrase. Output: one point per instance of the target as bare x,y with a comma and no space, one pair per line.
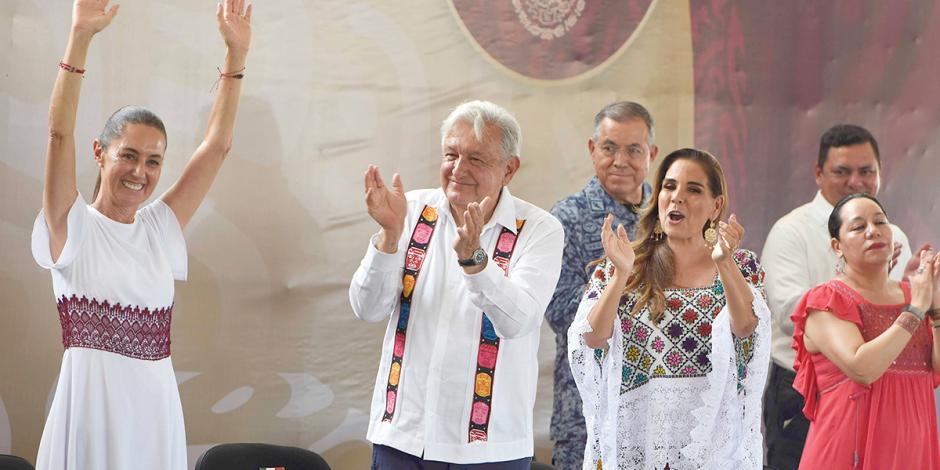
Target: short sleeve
39,242
833,297
163,222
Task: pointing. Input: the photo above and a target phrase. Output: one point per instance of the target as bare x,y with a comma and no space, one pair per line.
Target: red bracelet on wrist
71,69
238,75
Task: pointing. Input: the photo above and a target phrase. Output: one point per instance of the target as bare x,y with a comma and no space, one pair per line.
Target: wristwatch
918,312
476,258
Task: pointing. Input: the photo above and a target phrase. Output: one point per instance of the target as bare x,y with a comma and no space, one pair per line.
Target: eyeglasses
631,151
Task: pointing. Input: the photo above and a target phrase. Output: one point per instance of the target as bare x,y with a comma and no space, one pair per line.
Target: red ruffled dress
890,424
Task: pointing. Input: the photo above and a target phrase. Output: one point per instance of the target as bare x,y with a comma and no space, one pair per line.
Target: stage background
265,345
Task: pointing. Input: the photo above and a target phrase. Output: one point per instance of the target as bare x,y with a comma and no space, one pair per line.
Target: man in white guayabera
463,274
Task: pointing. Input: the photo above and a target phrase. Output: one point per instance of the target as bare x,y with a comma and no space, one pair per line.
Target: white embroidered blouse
684,393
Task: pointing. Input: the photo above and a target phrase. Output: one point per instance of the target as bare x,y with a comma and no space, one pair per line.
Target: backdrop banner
265,345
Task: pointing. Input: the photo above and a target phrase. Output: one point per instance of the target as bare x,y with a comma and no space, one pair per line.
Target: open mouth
132,186
675,216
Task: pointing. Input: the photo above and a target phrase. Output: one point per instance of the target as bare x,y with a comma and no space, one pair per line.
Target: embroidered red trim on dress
481,408
414,259
129,331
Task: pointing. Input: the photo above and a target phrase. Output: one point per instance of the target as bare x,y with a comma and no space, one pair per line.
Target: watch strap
918,312
476,258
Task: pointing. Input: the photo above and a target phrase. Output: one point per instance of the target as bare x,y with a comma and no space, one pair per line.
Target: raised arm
842,343
864,362
59,190
376,284
185,196
935,311
738,294
618,250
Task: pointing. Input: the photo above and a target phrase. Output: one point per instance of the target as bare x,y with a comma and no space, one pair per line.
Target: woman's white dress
684,392
116,404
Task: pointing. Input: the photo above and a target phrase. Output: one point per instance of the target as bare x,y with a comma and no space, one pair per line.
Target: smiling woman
670,344
114,261
132,134
864,351
129,153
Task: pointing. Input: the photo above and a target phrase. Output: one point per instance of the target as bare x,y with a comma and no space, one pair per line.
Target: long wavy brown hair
654,267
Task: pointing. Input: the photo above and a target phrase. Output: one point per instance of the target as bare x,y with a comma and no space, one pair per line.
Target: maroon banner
551,39
771,77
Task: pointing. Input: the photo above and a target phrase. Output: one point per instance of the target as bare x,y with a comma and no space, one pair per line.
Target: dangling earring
711,235
840,265
658,233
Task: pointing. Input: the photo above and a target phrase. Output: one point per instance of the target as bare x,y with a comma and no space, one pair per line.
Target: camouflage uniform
582,215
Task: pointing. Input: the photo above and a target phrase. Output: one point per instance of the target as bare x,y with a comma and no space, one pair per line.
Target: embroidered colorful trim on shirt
414,259
481,408
129,331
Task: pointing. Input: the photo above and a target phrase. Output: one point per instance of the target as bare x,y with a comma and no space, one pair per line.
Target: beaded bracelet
71,69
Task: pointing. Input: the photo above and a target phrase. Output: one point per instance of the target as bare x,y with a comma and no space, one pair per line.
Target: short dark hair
623,111
835,217
844,135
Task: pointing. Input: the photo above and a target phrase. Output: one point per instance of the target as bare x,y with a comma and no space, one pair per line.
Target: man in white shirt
797,257
457,379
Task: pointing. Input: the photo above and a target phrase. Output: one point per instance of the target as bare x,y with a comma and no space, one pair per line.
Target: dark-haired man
797,256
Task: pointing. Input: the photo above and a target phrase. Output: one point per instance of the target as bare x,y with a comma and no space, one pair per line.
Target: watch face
479,256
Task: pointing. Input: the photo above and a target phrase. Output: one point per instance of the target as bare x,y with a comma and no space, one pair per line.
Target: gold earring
657,234
711,235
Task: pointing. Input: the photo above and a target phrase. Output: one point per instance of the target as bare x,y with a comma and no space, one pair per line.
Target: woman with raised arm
671,342
113,262
867,361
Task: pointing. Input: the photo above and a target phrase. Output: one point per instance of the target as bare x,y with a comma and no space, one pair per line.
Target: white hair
479,114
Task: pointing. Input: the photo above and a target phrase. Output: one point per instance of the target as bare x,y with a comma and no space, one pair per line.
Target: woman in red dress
867,359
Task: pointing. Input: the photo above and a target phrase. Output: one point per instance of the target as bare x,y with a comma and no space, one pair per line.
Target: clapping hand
387,206
924,280
234,20
617,247
468,234
935,265
913,264
90,15
729,236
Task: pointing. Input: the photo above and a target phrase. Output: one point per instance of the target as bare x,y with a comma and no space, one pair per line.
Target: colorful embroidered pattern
489,346
129,331
414,259
680,345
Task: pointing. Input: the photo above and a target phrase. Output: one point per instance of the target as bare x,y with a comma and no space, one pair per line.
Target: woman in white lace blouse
671,341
